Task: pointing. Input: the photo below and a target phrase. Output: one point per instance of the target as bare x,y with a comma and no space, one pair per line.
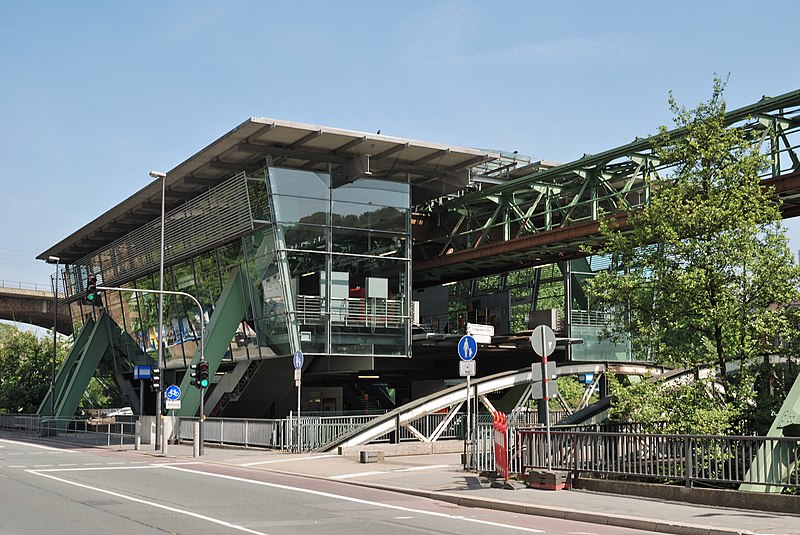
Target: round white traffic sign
543,341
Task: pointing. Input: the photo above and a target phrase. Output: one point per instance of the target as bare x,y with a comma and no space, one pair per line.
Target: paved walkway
441,477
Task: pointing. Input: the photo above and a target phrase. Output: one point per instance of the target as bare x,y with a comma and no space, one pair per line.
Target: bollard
196,441
137,435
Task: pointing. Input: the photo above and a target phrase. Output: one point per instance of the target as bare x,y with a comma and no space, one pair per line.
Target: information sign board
466,368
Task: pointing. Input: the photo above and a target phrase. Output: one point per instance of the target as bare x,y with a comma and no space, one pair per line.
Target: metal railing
15,285
315,432
723,460
353,311
91,432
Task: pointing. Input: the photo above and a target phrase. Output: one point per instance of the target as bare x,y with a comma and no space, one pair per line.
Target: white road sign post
297,362
467,349
543,342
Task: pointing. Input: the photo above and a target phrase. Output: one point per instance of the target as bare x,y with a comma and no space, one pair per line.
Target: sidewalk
441,477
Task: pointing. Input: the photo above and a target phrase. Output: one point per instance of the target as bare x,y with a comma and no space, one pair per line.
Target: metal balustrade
727,460
351,312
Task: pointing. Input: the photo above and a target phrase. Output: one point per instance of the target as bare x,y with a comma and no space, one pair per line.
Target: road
48,488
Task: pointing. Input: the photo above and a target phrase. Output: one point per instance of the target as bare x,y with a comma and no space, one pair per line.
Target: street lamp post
159,417
54,260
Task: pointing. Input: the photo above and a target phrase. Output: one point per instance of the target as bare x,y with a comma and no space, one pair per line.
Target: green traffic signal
202,375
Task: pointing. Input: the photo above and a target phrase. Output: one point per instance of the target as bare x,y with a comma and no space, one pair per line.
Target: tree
26,364
704,275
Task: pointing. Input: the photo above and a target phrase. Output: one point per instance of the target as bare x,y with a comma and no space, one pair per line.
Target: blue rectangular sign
142,372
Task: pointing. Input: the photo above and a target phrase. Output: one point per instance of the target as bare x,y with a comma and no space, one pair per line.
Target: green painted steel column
63,373
79,372
776,462
228,313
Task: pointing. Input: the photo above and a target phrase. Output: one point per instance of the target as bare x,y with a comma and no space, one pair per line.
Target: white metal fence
315,431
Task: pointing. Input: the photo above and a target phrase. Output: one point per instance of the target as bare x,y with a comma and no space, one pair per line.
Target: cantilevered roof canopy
433,170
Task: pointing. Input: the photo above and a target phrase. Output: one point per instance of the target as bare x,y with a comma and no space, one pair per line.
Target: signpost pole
469,425
298,415
467,349
543,341
202,421
297,362
545,385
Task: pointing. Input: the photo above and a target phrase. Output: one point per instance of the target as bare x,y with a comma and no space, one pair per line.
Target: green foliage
101,394
689,408
571,390
704,273
26,364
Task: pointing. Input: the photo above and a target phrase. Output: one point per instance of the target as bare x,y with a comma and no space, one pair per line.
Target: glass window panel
308,237
259,199
368,190
346,214
300,210
356,241
294,182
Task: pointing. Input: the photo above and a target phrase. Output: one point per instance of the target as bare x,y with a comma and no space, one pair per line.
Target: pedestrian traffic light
92,295
155,379
202,375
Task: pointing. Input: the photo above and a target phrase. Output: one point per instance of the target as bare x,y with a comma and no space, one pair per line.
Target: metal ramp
453,398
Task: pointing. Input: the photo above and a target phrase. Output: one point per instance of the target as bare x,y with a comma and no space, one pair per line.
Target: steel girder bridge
551,213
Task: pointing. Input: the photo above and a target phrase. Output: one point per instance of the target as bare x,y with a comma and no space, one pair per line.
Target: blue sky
94,94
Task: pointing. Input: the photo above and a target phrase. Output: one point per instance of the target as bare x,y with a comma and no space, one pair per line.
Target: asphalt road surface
46,488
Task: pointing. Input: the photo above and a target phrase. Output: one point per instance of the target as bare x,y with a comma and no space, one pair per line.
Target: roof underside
433,170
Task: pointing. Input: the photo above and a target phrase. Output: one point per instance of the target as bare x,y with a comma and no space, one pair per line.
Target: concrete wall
781,503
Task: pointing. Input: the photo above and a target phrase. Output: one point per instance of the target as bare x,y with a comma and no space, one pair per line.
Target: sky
95,94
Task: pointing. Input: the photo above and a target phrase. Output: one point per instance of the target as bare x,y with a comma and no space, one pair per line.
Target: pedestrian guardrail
721,460
103,432
315,432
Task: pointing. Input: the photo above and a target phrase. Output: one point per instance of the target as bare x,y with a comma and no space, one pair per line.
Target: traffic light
155,379
92,295
202,375
193,374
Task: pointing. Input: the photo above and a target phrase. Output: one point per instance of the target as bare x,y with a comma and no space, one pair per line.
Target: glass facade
327,272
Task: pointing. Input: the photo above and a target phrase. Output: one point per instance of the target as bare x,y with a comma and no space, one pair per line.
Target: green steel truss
99,339
229,311
548,215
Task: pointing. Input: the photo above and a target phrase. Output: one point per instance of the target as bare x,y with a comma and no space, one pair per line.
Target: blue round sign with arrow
467,348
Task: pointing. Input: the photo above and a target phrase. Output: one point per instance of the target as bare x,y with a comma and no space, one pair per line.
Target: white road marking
17,466
359,474
97,469
102,468
357,500
34,445
377,473
431,467
288,460
152,504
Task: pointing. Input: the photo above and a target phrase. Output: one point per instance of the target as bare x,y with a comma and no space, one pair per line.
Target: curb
623,521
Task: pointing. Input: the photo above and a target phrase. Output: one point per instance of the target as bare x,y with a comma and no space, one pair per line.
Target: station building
292,237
